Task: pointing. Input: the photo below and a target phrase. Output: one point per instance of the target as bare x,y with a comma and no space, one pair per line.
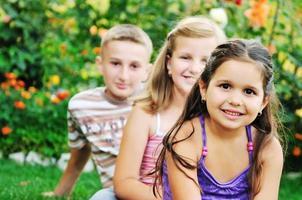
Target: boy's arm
76,163
272,159
126,177
78,158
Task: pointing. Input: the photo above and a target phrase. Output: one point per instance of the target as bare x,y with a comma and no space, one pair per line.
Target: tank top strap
157,123
204,137
250,145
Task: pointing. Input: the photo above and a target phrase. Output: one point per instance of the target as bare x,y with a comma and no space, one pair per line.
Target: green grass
290,189
27,182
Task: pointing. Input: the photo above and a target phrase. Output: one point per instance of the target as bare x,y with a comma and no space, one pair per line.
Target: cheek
177,65
137,76
216,96
254,105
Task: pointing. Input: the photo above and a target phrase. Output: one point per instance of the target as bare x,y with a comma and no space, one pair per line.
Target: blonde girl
176,69
225,144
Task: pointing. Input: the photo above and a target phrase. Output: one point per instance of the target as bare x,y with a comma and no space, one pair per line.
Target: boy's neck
115,100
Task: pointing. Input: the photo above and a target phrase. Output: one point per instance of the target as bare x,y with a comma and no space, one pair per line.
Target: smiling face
124,66
188,61
235,94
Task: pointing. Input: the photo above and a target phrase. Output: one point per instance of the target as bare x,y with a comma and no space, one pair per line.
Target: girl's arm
126,177
181,186
272,170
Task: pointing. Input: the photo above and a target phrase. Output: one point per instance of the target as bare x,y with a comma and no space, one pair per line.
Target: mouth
121,86
190,78
232,114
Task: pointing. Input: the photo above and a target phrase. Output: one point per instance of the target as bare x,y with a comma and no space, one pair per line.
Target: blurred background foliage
48,50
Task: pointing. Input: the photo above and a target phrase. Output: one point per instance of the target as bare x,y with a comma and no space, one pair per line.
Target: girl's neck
222,132
178,98
176,105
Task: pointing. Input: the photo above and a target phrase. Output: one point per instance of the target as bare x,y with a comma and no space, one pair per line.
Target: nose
235,99
124,73
197,67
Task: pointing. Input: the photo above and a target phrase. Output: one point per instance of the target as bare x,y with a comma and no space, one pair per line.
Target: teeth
232,113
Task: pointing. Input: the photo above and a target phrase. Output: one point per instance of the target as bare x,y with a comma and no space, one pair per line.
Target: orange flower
93,30
12,82
62,94
258,13
7,93
25,94
32,89
39,102
272,49
102,32
10,75
21,83
4,85
298,136
54,99
296,151
63,48
97,50
6,130
17,87
20,105
84,52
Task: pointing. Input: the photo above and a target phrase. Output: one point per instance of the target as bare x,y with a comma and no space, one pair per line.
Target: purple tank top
237,188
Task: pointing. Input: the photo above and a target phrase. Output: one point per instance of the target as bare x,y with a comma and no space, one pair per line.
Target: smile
231,114
121,86
191,79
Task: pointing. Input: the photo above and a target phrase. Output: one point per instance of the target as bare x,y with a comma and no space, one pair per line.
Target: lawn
27,182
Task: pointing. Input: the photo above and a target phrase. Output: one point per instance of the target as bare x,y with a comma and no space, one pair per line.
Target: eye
115,63
225,86
249,91
204,60
135,66
185,57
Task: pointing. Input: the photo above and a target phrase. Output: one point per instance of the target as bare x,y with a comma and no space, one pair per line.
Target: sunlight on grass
28,182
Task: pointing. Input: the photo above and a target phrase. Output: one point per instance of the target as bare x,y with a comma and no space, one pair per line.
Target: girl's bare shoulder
188,129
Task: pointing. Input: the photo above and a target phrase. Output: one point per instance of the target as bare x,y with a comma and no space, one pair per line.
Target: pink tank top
151,153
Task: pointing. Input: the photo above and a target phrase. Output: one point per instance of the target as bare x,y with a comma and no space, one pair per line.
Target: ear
147,72
99,63
265,102
169,64
202,89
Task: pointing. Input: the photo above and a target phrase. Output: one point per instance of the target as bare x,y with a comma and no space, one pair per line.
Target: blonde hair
128,32
158,93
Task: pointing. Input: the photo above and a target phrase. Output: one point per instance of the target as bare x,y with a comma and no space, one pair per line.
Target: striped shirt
98,120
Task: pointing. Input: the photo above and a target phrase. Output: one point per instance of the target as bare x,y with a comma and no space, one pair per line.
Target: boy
96,116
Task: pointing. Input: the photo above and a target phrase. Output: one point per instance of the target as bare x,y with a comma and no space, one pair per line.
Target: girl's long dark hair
266,124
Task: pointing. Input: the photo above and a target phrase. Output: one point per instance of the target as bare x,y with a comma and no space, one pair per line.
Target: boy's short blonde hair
128,32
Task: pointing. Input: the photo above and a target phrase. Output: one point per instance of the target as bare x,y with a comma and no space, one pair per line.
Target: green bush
46,41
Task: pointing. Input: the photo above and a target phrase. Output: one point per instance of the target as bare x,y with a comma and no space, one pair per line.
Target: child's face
124,65
235,94
188,61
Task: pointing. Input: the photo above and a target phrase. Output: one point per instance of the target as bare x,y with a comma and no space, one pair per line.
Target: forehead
197,45
125,50
244,73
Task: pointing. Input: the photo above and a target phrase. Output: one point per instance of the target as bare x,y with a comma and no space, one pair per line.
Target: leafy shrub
44,41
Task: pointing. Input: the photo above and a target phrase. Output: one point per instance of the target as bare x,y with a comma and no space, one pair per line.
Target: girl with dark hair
225,145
